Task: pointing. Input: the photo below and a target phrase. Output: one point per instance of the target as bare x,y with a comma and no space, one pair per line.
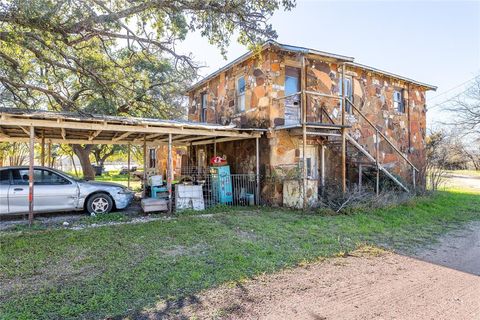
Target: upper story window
292,80
348,92
398,104
203,107
241,94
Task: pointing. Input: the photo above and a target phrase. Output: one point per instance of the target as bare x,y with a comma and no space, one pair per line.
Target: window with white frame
241,94
348,91
398,104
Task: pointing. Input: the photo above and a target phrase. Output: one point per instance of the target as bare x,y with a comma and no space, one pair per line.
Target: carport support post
322,158
304,132
257,158
30,175
49,154
144,166
169,173
42,153
359,177
414,182
377,157
344,143
128,165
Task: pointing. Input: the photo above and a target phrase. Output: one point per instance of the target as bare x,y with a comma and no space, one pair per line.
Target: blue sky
437,42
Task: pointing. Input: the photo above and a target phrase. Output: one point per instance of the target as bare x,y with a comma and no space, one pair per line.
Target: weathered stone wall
221,94
373,96
264,107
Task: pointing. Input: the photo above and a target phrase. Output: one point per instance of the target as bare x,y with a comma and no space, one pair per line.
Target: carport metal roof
17,125
74,128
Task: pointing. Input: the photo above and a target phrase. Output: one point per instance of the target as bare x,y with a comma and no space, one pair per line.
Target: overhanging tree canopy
114,56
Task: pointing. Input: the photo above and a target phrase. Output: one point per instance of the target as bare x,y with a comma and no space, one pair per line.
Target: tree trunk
83,154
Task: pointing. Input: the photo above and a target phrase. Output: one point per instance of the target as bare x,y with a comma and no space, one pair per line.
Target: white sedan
56,191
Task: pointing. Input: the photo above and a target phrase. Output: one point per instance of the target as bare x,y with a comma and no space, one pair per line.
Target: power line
447,100
451,89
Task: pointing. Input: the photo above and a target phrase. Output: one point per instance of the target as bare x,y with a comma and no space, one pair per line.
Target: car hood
102,184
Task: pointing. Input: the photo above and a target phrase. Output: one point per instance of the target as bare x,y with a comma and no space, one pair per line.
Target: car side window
20,177
5,177
40,177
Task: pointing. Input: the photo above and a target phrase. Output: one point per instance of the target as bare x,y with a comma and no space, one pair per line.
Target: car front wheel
99,203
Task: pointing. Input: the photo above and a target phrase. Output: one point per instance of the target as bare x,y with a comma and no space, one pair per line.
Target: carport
45,127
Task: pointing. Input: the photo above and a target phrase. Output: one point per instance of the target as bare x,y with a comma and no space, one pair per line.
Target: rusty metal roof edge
44,114
393,75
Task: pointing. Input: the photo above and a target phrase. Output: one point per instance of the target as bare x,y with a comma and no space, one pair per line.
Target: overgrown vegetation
120,270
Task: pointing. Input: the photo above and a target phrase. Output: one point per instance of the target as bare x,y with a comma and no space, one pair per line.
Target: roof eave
393,75
265,45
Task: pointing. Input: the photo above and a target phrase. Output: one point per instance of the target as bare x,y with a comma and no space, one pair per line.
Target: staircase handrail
383,136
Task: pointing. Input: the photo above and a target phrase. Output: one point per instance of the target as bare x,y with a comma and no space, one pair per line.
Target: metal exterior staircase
361,151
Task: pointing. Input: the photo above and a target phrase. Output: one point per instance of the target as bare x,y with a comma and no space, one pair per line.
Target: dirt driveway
360,286
459,249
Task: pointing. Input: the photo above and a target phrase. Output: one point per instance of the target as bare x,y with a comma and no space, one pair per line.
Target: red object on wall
217,161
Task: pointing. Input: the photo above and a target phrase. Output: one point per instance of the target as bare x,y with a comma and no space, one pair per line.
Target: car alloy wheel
100,205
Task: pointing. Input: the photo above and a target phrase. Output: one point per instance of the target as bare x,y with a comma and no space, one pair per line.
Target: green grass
120,270
113,176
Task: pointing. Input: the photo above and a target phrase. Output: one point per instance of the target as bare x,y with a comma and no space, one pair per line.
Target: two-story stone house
318,134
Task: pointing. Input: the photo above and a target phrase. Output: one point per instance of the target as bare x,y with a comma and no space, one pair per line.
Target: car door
52,192
18,192
4,186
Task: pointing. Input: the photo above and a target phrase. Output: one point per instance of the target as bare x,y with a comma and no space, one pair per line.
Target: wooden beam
191,138
153,136
27,131
122,136
90,126
3,133
175,138
64,134
93,135
79,141
211,141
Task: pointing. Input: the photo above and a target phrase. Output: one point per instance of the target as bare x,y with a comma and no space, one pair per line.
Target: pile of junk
200,189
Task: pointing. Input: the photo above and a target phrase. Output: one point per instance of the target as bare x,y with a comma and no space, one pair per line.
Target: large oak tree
115,57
